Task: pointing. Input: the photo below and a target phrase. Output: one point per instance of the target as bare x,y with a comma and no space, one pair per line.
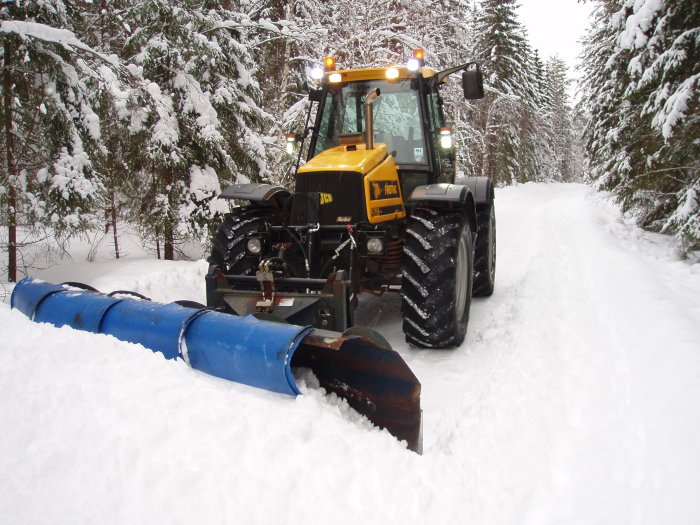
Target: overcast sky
555,26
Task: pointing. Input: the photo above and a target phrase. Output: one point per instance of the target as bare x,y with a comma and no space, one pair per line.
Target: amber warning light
329,63
417,61
419,55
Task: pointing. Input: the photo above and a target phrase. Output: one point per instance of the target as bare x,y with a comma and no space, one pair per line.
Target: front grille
345,205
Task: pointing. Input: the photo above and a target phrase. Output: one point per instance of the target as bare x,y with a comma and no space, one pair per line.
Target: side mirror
473,84
315,95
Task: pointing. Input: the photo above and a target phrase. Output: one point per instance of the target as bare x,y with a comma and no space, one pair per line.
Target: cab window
396,115
444,156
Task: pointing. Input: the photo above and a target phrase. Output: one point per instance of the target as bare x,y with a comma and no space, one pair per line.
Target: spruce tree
290,41
642,84
558,116
506,116
205,123
51,131
664,39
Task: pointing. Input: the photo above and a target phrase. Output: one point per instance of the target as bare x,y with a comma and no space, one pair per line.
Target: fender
261,194
449,196
481,188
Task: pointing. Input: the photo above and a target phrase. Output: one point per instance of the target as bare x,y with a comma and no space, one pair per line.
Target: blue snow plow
359,367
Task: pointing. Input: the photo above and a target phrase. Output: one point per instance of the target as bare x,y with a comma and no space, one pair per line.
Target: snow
41,32
50,34
203,182
417,236
165,132
574,399
69,170
424,267
198,102
676,105
639,22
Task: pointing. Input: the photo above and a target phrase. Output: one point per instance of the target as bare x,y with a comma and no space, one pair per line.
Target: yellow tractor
375,209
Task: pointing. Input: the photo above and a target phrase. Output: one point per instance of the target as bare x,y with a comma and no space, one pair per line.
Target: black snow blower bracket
318,302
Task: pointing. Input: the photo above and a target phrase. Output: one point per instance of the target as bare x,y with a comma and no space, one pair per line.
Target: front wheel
229,244
437,277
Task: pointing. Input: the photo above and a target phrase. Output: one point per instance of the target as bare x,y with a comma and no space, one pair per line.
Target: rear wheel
437,273
229,244
485,251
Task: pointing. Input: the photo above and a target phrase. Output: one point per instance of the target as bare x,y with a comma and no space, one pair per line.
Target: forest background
140,111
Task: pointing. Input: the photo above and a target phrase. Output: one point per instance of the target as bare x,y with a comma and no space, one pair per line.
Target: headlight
445,138
291,143
375,245
254,245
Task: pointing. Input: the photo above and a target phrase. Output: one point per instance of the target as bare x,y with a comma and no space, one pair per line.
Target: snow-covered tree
664,38
558,116
642,84
506,116
289,42
51,131
367,33
604,78
205,123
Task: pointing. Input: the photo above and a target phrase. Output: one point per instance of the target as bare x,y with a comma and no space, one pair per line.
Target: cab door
441,143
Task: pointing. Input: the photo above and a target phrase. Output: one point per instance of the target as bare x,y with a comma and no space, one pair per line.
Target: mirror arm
442,75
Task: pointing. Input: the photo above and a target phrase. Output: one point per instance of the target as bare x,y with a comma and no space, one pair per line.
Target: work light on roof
291,143
317,73
445,138
392,73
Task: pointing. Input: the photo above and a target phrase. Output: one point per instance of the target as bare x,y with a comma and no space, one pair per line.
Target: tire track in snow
540,406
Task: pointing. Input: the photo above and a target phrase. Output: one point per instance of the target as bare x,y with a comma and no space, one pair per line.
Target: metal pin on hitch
267,286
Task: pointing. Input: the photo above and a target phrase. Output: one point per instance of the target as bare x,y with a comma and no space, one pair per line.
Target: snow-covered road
574,399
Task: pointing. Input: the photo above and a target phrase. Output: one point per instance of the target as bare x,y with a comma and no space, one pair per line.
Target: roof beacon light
419,55
392,73
329,63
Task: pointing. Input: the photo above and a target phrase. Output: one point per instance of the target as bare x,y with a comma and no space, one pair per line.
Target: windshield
396,112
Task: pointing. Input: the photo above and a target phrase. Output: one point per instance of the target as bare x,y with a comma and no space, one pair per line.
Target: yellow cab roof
378,73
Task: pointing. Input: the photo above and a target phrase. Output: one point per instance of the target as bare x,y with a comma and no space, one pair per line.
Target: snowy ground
574,399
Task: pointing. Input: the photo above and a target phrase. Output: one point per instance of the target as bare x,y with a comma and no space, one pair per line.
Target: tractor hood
347,158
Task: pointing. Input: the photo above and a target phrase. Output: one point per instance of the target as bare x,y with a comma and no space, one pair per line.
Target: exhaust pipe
369,118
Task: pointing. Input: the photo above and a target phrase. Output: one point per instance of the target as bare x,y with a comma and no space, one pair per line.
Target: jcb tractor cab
375,209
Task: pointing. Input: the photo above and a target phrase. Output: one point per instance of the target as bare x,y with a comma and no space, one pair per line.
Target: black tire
229,244
485,251
437,268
